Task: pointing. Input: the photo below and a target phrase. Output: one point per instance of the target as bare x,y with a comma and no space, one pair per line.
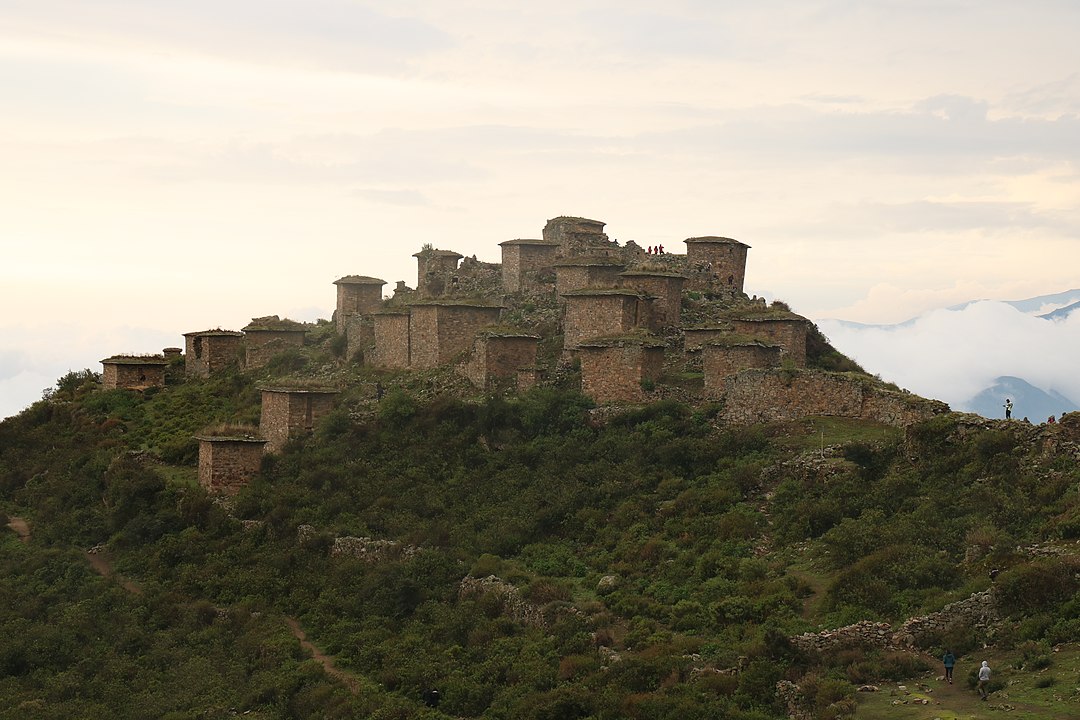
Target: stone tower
716,263
356,295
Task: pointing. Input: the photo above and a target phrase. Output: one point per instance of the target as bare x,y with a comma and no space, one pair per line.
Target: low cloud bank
952,355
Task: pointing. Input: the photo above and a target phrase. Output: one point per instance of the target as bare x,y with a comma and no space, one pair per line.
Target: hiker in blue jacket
949,661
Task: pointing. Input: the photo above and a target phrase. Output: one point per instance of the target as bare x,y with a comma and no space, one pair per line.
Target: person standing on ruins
949,661
1008,409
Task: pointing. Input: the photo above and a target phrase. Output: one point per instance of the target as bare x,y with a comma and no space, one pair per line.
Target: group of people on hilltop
655,250
949,661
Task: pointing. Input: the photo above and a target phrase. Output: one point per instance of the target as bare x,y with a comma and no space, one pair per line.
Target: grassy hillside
647,563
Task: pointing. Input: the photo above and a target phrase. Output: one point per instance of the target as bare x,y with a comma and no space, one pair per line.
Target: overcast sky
171,166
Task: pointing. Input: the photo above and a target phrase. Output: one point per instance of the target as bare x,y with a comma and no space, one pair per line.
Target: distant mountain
1033,305
1061,313
1028,401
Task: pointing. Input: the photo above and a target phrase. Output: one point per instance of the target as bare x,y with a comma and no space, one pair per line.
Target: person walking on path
949,661
984,680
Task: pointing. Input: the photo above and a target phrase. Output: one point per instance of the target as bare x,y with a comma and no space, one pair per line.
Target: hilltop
530,555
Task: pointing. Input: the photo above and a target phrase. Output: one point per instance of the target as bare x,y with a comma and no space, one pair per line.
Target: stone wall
434,269
861,634
697,338
356,295
787,332
209,352
979,611
761,396
513,606
496,358
133,373
392,340
586,273
578,236
616,371
716,263
720,361
597,313
525,264
665,287
262,345
359,336
441,332
288,413
226,464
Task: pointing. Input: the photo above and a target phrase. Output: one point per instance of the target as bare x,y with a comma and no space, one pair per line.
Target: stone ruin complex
640,324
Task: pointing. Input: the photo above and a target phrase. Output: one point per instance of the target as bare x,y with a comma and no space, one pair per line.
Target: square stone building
133,372
603,313
527,265
441,333
582,273
784,329
501,356
391,340
292,412
265,337
618,369
210,351
716,263
666,289
228,462
356,295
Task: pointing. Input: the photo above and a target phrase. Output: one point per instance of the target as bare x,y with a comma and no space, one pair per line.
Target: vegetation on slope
658,561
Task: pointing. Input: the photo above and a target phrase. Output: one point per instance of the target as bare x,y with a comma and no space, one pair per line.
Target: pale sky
169,166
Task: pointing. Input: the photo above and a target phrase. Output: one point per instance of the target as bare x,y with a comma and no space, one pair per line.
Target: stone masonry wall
599,315
586,276
789,334
207,354
356,298
497,357
614,373
720,362
759,396
262,345
131,376
716,263
289,413
440,333
665,288
523,261
392,341
226,464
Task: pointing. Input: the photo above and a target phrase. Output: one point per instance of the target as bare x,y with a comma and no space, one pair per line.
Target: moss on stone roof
476,303
507,332
589,261
715,240
526,241
227,432
135,360
596,292
275,324
643,339
214,332
359,280
642,272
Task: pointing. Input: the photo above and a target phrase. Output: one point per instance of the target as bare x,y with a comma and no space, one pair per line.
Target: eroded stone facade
288,413
587,273
788,332
714,263
440,333
528,265
721,361
602,313
498,358
133,372
356,295
619,370
228,463
211,351
391,340
666,290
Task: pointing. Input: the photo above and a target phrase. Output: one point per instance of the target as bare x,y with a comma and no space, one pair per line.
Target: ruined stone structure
665,287
785,329
528,265
603,313
761,396
391,340
620,370
578,236
696,338
502,357
268,336
722,360
440,333
291,412
356,295
584,273
133,372
170,353
434,270
716,263
211,351
228,462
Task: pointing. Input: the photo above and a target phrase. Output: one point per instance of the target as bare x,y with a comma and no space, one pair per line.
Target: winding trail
100,562
348,679
21,528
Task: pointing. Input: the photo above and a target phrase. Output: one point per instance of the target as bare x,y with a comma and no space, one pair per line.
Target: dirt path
100,562
348,679
21,528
